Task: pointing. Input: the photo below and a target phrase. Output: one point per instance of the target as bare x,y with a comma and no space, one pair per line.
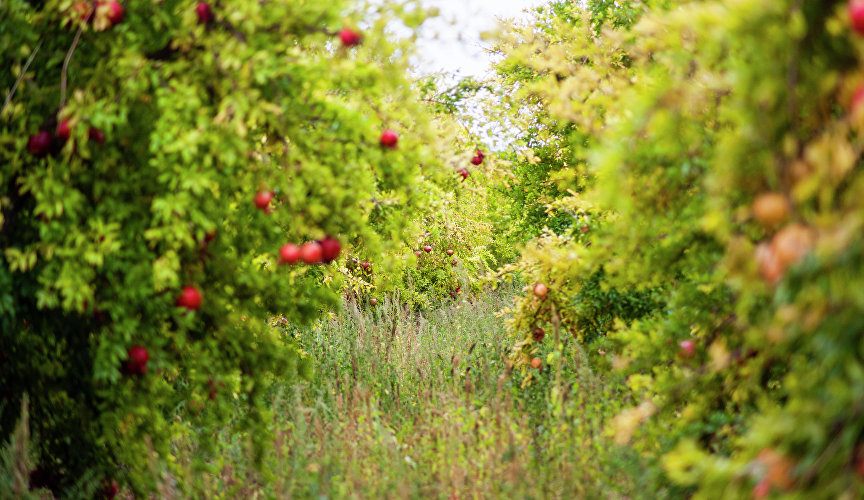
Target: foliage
682,122
682,203
175,123
408,404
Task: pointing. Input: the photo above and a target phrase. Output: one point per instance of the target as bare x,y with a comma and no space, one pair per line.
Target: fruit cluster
477,159
43,142
323,251
106,14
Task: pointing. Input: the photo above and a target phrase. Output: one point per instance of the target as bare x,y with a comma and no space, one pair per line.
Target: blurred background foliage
648,287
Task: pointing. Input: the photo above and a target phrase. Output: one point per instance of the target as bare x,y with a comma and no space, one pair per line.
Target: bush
722,157
137,158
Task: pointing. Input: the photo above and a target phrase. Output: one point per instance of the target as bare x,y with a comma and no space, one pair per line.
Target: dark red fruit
365,265
115,11
454,262
427,248
389,139
64,130
205,15
110,489
41,478
190,298
464,173
856,15
330,249
94,134
538,335
263,198
349,37
311,253
477,160
39,143
450,252
289,254
136,364
418,254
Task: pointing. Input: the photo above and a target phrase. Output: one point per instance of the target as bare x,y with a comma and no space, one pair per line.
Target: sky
451,42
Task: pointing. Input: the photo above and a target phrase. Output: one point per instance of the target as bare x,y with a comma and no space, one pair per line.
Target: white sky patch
451,43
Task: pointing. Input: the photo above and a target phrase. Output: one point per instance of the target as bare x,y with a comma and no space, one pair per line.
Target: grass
423,405
410,405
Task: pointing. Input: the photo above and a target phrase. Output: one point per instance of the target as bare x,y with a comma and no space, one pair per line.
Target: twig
20,77
66,66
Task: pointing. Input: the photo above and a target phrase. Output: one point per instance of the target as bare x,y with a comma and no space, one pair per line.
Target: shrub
156,138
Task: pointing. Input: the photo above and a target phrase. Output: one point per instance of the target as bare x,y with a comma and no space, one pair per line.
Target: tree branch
20,77
63,74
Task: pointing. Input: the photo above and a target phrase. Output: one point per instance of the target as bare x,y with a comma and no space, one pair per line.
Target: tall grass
422,405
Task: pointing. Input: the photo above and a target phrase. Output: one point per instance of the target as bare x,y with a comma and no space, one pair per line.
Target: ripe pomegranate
349,37
771,209
687,348
136,363
311,253
289,254
190,298
856,15
540,290
389,139
39,143
538,335
64,130
205,14
114,11
110,489
330,249
263,198
94,134
792,243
